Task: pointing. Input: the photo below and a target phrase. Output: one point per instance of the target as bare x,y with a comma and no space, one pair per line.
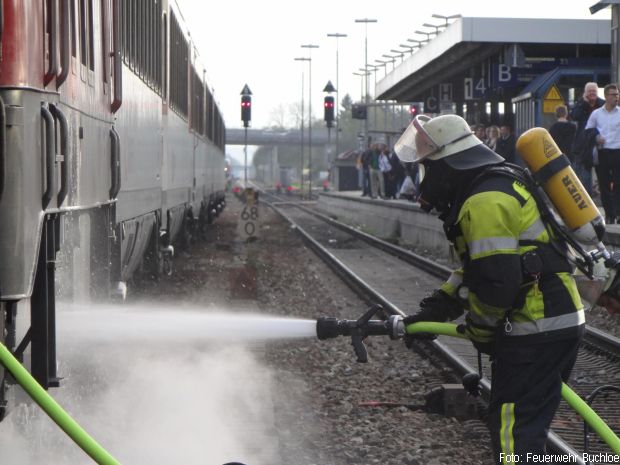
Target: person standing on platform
398,173
376,179
481,132
364,163
516,287
563,132
606,121
505,145
583,145
386,172
491,141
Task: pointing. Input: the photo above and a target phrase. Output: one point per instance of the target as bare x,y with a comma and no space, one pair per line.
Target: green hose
571,397
591,418
54,410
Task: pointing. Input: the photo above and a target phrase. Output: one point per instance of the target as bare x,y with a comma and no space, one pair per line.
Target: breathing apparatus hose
571,397
54,410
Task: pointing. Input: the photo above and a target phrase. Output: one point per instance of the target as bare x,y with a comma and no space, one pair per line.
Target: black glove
438,306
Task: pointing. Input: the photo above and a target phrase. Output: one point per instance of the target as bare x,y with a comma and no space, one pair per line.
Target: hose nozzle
327,327
330,327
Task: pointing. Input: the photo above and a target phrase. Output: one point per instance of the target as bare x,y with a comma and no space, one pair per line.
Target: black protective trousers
608,174
525,394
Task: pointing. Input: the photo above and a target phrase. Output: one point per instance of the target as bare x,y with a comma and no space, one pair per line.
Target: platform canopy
493,59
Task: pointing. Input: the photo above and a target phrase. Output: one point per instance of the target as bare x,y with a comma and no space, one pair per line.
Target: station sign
504,75
474,88
248,225
431,104
445,92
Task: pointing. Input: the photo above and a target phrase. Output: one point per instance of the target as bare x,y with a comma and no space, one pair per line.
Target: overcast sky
256,42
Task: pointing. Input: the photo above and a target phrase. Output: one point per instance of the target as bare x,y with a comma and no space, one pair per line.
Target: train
112,151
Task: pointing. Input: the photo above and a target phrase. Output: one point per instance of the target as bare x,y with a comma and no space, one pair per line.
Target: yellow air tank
553,172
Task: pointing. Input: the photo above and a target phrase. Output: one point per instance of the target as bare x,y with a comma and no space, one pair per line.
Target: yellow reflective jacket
496,226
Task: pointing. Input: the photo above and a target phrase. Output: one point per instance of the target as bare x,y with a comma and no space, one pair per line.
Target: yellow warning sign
553,94
552,99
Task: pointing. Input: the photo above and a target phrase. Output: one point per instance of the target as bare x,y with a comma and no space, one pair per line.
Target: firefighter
515,286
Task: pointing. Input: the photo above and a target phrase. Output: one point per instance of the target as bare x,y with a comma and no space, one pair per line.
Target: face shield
446,137
415,144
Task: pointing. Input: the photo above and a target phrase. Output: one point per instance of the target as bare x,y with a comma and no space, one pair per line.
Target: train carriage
111,149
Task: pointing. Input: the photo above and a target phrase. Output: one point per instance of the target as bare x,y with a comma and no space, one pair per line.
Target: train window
87,48
209,115
139,30
197,120
73,39
133,34
150,42
123,26
144,25
146,44
165,58
83,36
105,49
91,37
179,52
143,40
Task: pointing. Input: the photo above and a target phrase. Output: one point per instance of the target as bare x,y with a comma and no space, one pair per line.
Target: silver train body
111,152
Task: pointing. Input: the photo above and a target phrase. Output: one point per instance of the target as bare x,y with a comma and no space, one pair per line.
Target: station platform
403,221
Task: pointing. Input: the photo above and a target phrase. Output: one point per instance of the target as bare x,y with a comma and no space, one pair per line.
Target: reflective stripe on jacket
497,223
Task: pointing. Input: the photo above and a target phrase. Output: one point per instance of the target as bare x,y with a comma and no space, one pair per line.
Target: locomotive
111,150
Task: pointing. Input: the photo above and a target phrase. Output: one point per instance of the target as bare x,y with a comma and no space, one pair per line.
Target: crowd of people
385,176
588,134
383,172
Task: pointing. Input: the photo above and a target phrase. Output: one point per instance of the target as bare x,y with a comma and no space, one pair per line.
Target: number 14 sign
474,88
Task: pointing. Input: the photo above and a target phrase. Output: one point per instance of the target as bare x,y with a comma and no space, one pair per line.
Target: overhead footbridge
238,136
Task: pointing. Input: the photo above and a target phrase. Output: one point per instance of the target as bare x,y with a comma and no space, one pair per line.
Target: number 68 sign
248,225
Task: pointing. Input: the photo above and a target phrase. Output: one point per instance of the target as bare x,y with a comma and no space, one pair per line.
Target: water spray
395,328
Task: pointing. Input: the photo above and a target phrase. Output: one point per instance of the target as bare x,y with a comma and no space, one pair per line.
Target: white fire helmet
446,136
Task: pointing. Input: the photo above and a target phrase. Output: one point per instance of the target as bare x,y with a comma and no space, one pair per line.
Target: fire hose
394,327
54,410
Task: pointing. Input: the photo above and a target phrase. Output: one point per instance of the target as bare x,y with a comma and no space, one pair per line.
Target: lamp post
427,34
399,53
391,59
437,27
419,42
373,68
366,21
361,75
384,64
301,171
337,35
410,48
309,47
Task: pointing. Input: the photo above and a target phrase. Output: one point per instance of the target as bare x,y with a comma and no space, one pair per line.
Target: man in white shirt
606,120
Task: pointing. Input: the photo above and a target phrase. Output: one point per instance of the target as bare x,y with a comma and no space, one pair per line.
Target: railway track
397,279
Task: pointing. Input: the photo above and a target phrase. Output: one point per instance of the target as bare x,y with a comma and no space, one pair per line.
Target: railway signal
246,117
329,110
246,106
246,110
